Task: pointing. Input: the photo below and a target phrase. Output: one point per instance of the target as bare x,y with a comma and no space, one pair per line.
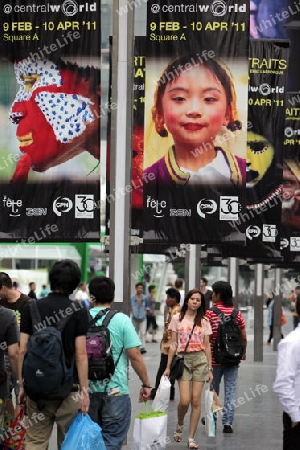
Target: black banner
195,122
290,218
50,103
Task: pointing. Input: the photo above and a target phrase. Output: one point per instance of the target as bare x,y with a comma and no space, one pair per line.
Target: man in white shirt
287,386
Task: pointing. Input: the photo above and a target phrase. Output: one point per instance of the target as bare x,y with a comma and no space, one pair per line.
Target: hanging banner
290,218
195,122
268,62
50,121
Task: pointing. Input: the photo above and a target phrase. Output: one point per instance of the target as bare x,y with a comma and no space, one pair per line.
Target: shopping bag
282,318
13,435
162,396
150,431
83,434
212,406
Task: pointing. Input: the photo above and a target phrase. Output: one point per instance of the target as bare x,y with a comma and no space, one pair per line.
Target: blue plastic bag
83,434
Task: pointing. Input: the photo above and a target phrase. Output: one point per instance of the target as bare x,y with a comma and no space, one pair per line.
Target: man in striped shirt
222,299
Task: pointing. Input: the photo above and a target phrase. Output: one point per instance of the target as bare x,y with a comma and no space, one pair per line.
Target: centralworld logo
69,8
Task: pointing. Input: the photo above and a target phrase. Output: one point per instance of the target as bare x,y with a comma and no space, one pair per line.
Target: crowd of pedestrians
191,328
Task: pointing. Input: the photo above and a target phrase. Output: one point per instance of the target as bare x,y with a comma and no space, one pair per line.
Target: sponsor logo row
83,207
228,208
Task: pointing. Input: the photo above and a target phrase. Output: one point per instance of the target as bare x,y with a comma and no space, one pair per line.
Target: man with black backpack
53,361
228,347
110,402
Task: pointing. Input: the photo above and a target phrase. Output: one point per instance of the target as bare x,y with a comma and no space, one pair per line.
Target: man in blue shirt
138,304
110,403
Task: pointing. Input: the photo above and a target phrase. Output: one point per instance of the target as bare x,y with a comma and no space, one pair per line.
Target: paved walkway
257,422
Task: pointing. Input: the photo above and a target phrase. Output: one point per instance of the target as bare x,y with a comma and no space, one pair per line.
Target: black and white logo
284,243
295,243
36,212
206,206
229,207
253,231
269,233
180,212
84,206
13,205
62,205
157,206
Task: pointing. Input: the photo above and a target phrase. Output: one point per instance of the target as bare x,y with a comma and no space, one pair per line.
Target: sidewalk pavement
258,415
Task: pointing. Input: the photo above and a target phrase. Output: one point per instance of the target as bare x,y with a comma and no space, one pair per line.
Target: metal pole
192,267
277,309
121,150
258,314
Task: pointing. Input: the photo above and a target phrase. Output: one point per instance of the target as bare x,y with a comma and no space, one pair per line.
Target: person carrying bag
190,338
177,365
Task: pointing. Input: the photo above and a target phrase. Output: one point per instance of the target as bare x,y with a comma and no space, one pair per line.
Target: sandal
178,433
192,443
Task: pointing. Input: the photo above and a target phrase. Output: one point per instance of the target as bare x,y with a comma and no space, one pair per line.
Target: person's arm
13,351
22,352
287,371
244,341
82,370
138,364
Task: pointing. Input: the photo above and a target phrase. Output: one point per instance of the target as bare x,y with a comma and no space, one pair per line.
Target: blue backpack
46,375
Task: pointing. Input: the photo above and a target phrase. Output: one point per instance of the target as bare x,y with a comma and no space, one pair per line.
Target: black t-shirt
16,306
9,334
53,308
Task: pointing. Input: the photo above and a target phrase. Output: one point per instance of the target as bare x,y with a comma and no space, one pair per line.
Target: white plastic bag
162,396
212,405
150,431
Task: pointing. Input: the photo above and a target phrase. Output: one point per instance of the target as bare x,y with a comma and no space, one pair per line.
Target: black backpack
228,347
45,372
101,365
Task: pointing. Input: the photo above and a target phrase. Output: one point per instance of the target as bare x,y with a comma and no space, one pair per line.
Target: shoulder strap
187,344
218,312
234,313
97,316
36,318
108,317
34,312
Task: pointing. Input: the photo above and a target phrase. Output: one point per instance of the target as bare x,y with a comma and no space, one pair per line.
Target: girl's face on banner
194,106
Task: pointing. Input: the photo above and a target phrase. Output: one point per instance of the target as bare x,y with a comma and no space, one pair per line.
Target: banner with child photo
195,128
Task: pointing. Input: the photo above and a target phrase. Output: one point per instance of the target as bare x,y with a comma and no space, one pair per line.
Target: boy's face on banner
194,107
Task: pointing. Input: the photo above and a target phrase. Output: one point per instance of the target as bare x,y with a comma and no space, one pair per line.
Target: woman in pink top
197,360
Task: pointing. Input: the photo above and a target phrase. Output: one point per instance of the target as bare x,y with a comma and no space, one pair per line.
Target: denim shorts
195,367
113,414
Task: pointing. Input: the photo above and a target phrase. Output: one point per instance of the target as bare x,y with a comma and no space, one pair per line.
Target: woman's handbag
177,364
177,367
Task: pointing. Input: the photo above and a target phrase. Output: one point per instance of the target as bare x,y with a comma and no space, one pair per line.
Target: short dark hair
139,284
102,290
5,280
64,276
224,288
204,280
31,283
178,283
173,293
151,287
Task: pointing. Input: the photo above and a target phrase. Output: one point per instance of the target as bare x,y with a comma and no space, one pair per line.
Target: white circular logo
7,9
264,89
206,206
155,8
69,8
62,205
218,8
289,132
